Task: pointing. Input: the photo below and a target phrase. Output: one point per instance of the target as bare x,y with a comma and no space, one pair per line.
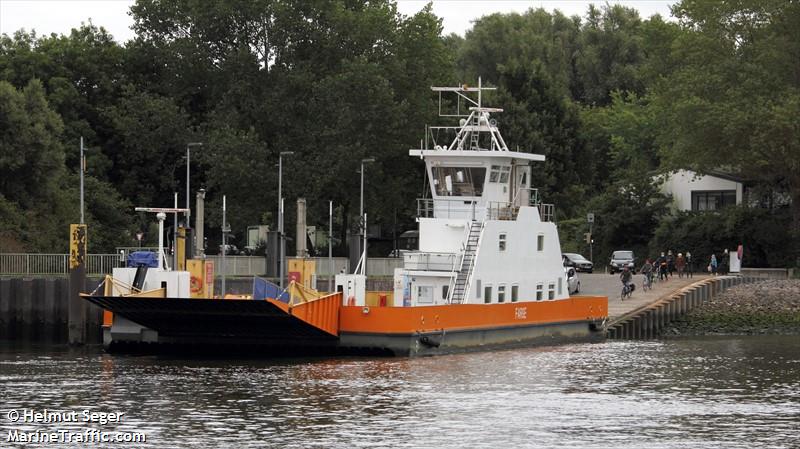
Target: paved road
609,285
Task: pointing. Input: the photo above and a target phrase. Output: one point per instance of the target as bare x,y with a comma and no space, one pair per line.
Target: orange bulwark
408,320
322,313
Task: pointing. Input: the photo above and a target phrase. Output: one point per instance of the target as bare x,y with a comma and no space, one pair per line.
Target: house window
514,293
551,291
424,294
501,293
712,199
445,290
539,291
487,294
540,242
502,242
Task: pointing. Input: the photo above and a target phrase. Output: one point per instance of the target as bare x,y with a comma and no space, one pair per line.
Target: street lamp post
361,215
188,195
281,239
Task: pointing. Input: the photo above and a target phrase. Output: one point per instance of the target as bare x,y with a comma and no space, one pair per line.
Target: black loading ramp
218,322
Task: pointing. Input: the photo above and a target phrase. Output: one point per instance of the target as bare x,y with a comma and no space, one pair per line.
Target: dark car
578,262
620,260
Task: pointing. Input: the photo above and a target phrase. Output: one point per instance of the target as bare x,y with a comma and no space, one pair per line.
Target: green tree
734,101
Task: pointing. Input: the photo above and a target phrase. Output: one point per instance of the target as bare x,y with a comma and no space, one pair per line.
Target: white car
573,283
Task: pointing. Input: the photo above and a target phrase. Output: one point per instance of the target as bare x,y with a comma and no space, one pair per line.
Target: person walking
670,263
712,266
680,265
724,263
662,268
689,267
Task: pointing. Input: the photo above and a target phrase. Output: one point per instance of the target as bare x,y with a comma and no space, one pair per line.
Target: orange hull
406,320
428,330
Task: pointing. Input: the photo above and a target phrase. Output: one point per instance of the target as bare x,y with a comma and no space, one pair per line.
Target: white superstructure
484,236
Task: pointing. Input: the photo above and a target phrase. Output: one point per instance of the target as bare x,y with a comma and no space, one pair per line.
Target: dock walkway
640,298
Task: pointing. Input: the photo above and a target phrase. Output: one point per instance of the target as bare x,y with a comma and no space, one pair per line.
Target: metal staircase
461,286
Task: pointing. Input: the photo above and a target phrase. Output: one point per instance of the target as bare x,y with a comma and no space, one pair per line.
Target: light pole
281,240
188,172
188,195
361,215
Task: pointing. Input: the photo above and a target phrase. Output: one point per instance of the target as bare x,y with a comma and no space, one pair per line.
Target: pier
646,314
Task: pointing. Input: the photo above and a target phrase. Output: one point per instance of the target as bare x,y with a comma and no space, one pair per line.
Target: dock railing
20,264
16,264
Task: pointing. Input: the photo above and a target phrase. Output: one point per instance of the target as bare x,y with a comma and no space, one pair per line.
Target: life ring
195,284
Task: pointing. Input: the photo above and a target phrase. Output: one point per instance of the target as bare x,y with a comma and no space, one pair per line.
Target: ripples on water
694,393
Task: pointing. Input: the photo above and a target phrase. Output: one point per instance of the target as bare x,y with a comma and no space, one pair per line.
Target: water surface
685,393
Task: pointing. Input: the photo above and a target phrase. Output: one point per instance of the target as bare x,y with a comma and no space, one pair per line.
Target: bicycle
627,290
647,284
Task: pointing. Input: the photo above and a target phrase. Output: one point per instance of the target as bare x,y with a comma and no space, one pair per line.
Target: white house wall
682,183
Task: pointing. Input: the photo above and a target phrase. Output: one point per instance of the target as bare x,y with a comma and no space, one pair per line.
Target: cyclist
625,277
647,271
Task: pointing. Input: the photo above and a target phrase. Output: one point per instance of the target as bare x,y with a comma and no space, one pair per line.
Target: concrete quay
645,316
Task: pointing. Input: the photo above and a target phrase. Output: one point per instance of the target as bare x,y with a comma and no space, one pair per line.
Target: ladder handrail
472,264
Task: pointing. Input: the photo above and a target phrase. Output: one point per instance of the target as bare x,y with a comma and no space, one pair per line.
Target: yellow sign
77,245
201,284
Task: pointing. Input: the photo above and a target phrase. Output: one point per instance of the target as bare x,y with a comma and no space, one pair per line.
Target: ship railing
500,210
429,261
448,208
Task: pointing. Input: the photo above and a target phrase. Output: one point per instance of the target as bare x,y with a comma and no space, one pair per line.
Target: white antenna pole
161,217
224,244
480,85
364,256
175,236
82,165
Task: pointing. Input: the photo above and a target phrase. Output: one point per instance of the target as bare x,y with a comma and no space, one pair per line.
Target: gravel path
766,307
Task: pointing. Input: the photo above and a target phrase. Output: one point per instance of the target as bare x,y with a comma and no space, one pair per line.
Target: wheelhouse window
500,173
458,181
713,199
501,244
540,242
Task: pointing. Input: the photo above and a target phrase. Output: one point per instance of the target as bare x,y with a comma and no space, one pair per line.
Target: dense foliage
612,100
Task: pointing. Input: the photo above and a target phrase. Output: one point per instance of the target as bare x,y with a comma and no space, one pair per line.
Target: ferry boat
488,273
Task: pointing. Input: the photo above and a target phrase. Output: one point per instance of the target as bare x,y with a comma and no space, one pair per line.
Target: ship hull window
501,293
514,293
487,294
424,294
551,291
539,291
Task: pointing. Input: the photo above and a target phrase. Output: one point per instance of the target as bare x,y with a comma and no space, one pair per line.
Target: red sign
209,272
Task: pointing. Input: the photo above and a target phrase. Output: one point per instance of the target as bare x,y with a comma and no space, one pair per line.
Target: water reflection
702,393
